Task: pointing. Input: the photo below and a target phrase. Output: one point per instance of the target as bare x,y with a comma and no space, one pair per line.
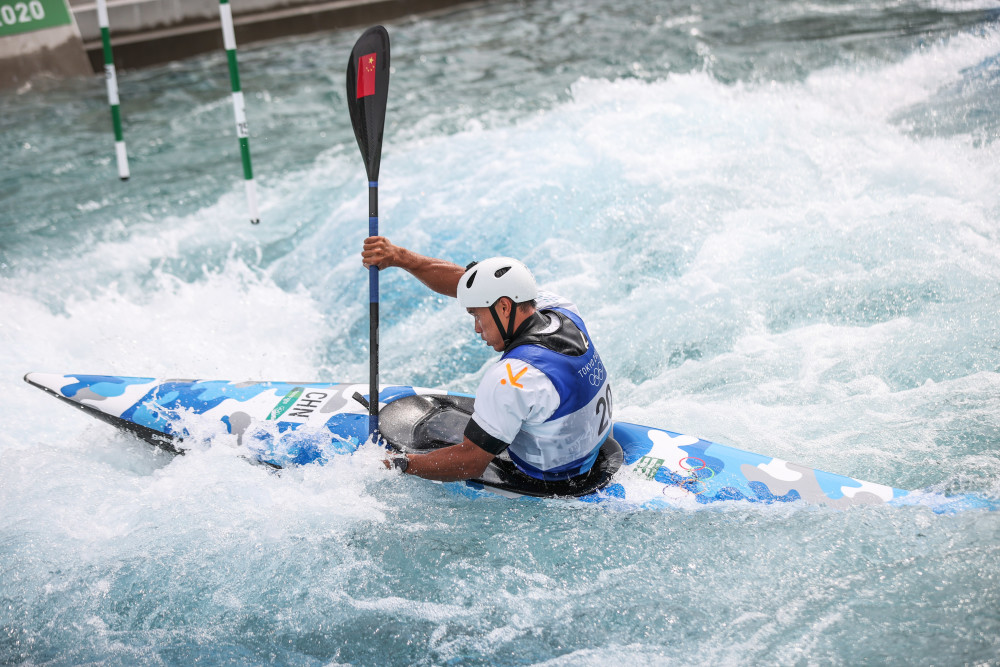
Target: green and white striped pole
239,108
111,77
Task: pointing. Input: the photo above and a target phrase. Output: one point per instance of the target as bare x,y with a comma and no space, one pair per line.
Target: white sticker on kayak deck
301,404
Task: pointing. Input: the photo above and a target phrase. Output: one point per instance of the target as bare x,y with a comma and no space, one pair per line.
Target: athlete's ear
504,305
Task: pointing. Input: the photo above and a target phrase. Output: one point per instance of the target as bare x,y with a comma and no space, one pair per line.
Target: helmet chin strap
508,333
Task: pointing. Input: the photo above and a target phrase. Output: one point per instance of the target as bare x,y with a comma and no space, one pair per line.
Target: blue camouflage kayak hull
286,424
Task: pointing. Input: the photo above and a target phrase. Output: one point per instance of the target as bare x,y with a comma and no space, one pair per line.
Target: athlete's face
486,327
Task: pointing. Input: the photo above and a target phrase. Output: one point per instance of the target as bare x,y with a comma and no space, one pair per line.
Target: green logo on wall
17,16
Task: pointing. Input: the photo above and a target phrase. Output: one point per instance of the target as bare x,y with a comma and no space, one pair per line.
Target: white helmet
485,282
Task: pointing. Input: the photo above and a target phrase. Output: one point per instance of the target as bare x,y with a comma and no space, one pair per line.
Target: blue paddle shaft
373,314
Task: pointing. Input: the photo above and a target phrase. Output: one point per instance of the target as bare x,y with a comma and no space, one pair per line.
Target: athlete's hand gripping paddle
367,93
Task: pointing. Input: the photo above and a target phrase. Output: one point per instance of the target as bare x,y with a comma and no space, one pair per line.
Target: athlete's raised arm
440,275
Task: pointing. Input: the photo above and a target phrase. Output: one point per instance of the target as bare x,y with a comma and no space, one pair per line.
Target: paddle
367,92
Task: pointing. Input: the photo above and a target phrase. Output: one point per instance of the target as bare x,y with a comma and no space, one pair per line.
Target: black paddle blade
367,92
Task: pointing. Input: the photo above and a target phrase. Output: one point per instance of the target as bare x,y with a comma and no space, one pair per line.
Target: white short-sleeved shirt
514,392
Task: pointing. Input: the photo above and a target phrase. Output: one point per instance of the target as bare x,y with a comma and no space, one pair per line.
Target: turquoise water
781,219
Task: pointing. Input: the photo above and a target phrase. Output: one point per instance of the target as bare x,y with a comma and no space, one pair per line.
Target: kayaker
547,401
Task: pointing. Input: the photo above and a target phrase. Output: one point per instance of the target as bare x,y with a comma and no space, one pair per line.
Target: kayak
286,424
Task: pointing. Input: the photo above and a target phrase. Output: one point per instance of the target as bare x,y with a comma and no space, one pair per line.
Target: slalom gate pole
239,108
111,77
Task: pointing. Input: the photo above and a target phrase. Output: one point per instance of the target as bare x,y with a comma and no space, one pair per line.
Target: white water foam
779,267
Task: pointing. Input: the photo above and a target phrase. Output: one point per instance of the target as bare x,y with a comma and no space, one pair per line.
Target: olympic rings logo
597,377
694,483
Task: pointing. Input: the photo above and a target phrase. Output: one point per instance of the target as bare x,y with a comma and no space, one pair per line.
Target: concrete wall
151,32
131,16
56,52
45,41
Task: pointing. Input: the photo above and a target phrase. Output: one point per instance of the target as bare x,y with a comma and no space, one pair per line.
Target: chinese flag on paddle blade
366,75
